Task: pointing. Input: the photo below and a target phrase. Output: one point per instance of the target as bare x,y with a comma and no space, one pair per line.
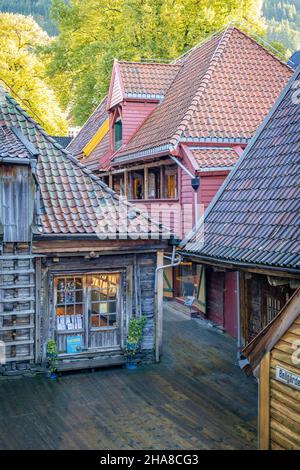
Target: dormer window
118,134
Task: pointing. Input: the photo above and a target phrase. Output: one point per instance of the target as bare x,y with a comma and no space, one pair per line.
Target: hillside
39,9
283,20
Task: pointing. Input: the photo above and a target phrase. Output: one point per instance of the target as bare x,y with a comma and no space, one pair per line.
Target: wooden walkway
195,399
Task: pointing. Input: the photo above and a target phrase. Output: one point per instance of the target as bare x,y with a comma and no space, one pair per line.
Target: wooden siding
285,400
116,92
210,184
187,203
17,196
133,115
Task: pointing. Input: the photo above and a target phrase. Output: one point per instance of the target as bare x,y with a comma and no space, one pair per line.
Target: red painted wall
133,115
210,184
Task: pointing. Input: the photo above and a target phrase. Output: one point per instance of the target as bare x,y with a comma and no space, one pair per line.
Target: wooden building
164,129
274,357
76,262
251,230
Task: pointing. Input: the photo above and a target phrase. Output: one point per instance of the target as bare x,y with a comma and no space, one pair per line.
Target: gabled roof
223,90
64,141
214,158
255,216
11,148
73,200
273,332
146,80
89,129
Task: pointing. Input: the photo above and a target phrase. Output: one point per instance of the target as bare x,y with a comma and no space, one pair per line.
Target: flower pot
53,376
131,365
132,346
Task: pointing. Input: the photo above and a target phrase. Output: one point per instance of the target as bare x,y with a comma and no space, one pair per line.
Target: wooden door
231,304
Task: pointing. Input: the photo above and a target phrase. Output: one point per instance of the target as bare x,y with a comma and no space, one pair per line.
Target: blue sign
74,344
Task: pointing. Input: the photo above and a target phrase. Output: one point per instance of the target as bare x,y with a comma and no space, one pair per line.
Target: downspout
175,261
238,316
195,182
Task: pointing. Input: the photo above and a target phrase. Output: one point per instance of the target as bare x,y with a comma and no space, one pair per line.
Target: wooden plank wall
285,400
17,196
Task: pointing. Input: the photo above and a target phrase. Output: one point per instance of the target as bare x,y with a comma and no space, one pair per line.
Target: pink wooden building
167,135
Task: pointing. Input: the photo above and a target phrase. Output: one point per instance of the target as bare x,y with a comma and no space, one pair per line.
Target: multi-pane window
273,308
136,184
118,134
154,183
170,182
104,300
118,183
69,303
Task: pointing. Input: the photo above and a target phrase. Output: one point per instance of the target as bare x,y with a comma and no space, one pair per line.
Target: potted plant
135,333
52,356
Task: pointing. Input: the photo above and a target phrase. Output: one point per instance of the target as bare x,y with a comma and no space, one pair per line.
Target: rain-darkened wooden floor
195,399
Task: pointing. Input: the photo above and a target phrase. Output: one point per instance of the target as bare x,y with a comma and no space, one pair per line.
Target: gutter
233,265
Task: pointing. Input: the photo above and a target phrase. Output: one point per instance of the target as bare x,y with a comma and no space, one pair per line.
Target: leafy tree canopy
94,32
24,71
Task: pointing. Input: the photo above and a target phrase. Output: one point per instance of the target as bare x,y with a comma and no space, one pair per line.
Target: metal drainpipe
239,316
195,182
158,320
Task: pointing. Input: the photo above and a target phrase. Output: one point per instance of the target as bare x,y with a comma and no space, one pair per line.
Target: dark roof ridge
241,159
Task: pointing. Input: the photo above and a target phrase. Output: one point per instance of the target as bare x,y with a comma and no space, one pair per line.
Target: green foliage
52,355
23,70
94,32
283,19
135,333
39,9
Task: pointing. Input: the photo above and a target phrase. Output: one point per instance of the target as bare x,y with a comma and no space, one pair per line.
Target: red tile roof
146,79
73,200
207,158
89,129
223,90
255,217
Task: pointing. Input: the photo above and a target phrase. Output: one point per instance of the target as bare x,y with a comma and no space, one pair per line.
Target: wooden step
19,358
91,363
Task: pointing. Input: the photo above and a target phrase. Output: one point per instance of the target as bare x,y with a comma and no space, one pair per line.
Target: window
170,182
136,184
118,134
118,183
104,300
69,303
154,183
273,308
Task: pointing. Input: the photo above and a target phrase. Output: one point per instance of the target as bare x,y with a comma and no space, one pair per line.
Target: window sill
133,201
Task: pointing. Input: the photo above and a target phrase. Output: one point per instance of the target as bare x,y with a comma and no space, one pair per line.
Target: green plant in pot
135,333
52,355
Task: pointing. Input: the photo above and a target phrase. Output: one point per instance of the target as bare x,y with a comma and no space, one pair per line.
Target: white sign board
287,377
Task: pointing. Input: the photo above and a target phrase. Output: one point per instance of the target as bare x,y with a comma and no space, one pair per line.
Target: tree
24,72
92,33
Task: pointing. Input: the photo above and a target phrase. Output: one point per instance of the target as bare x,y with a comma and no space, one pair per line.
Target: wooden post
38,274
146,183
110,180
126,184
159,304
264,403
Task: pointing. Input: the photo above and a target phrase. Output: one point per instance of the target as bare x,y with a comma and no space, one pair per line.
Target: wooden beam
264,403
146,183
